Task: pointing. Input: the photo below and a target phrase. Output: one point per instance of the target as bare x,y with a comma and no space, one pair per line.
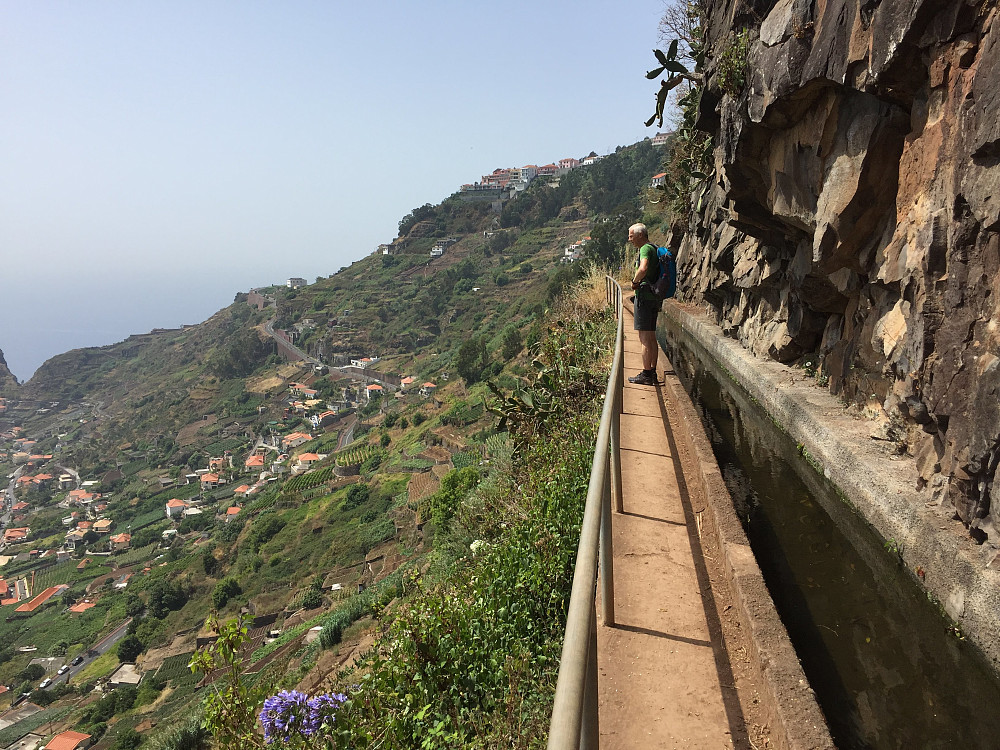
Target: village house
427,389
308,459
74,538
295,439
68,740
295,283
256,461
231,513
208,481
14,536
121,542
103,526
175,507
658,180
660,139
373,389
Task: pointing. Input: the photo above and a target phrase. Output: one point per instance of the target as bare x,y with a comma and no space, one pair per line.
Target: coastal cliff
851,223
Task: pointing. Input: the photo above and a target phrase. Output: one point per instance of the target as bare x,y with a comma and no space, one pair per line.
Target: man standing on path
645,304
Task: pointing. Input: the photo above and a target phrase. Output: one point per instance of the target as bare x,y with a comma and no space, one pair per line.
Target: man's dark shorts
645,313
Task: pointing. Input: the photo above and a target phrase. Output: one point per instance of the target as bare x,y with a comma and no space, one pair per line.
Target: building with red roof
68,740
13,536
175,507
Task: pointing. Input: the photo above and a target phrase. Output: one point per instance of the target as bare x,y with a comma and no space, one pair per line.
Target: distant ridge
8,383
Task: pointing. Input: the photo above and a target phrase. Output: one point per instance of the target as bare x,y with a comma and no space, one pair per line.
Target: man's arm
640,273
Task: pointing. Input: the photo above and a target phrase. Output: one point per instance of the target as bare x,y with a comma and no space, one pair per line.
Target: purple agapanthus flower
285,715
323,709
291,715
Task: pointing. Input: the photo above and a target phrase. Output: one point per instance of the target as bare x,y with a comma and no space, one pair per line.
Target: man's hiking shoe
644,378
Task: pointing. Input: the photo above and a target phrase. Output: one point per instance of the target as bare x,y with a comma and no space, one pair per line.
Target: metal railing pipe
574,722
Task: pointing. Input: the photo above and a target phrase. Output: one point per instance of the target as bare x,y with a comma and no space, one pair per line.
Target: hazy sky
159,157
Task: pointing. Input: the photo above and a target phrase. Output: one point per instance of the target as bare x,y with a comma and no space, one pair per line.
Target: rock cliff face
853,218
8,383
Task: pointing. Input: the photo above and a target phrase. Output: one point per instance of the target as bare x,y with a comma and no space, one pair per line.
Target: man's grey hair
639,229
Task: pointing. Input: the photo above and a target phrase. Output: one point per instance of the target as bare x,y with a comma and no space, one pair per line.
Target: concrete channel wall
795,718
963,576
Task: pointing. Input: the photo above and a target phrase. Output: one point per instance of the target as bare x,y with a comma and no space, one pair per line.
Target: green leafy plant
733,64
230,709
679,73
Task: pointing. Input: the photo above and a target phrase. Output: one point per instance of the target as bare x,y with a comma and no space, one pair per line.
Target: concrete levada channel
886,669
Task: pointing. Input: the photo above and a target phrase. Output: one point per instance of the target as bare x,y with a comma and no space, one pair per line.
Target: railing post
607,566
616,455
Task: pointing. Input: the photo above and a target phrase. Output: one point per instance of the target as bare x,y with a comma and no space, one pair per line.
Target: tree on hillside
129,648
32,672
244,353
608,242
225,590
512,343
472,359
422,213
165,597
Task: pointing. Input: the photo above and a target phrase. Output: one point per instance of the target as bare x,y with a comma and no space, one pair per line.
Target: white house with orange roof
175,508
121,542
210,480
427,388
373,389
232,512
305,460
295,439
